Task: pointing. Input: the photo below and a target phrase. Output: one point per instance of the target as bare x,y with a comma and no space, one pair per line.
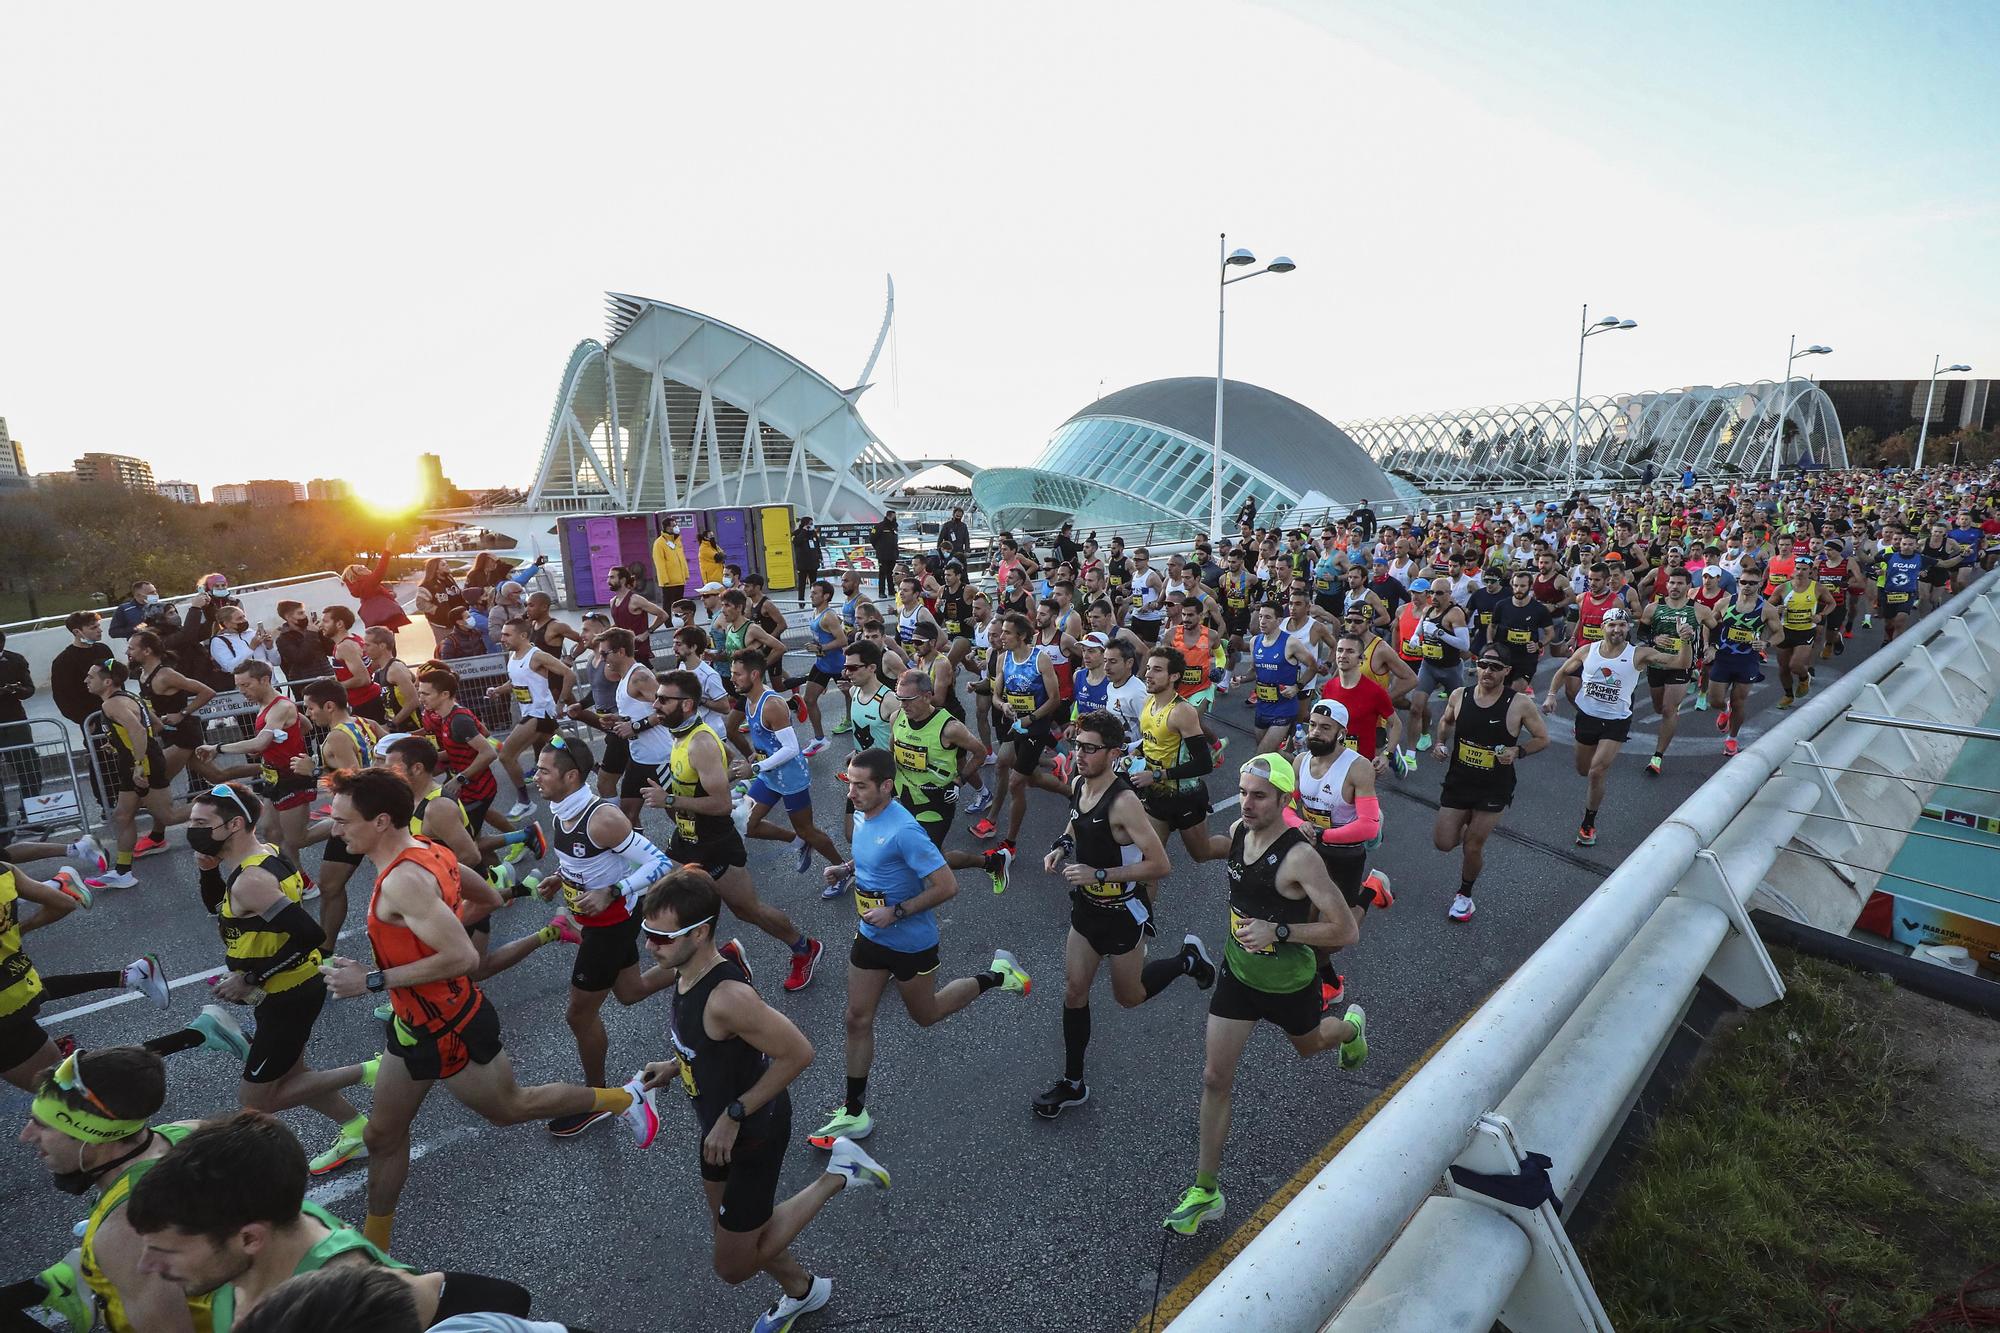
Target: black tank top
1097,846
162,704
1448,655
1480,730
716,1073
1253,889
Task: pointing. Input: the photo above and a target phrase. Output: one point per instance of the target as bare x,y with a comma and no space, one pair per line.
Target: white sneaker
145,975
855,1166
779,1318
642,1117
813,748
1462,908
519,811
89,851
123,880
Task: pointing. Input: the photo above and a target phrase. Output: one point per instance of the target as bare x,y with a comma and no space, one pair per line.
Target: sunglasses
230,793
1490,666
69,1077
655,933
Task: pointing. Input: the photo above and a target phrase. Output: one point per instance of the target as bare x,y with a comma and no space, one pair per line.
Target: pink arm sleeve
1366,825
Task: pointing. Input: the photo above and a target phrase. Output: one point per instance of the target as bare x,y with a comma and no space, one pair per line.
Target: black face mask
1321,749
203,841
80,1181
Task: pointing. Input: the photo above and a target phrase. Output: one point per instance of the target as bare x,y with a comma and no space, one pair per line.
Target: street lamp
1785,399
1230,259
1605,325
1925,429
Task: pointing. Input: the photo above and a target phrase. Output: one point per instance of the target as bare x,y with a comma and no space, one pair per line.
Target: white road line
64,1015
1227,801
355,1177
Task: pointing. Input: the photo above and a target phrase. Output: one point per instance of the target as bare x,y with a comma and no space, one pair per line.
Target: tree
1863,446
1899,449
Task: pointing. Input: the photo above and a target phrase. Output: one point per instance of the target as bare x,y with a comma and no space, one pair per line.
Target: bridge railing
1553,1062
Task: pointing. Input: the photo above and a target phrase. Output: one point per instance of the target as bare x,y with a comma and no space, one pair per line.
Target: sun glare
389,492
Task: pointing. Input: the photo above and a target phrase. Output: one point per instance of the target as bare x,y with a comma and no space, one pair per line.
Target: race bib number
687,1078
913,757
1111,888
864,901
1267,694
1021,703
1742,636
1236,920
1433,652
1518,636
522,695
684,825
1351,743
1194,676
1671,643
1319,819
1238,603
954,628
1591,633
1475,756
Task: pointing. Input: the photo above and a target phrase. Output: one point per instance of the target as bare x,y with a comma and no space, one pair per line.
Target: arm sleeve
463,729
648,863
788,749
1460,638
302,936
1200,760
1365,827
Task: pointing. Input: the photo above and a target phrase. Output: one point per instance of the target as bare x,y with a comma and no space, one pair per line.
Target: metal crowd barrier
1553,1062
37,760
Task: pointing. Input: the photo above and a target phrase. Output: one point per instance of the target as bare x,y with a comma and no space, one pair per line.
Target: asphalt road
997,1220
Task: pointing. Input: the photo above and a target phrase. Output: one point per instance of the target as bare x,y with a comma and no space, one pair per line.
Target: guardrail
1394,1233
235,590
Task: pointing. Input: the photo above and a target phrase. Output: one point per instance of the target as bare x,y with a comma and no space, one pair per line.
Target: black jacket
66,674
15,685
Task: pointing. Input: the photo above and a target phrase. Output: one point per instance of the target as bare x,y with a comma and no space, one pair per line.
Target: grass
1802,1170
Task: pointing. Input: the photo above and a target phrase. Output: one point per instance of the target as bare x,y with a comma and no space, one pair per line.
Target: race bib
1591,633
1475,756
684,825
1193,676
864,901
1238,603
687,1078
1021,703
522,695
1742,636
953,628
913,757
1108,889
1267,694
1433,652
1518,636
1317,818
1673,643
1236,920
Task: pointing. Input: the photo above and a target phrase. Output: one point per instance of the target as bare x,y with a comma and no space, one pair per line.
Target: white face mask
152,599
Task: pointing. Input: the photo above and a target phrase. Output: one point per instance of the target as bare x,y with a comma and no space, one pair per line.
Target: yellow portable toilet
774,530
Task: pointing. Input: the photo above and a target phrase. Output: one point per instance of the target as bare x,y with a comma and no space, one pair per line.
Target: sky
245,241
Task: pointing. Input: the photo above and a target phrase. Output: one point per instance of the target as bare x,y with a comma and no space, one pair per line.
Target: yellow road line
1204,1272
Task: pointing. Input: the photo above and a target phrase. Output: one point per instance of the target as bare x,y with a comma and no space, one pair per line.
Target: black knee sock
857,1094
184,1040
1076,1036
988,980
1590,819
80,983
1161,973
470,1293
1326,972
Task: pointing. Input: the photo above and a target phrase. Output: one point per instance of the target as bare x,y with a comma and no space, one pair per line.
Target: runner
1609,669
350,664
1029,700
778,773
1675,625
271,946
1485,724
1523,627
442,1027
1173,757
1442,636
633,612
349,742
399,685
175,698
279,739
737,1058
1335,800
830,636
900,879
1714,595
634,724
134,768
697,799
1279,660
935,754
1748,626
1110,856
1372,726
1900,574
537,682
465,750
1276,882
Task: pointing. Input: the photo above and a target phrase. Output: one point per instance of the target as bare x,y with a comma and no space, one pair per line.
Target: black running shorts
750,1177
872,957
1109,931
604,952
1295,1012
284,1025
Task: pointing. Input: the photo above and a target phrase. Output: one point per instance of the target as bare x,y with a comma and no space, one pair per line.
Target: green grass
1801,1168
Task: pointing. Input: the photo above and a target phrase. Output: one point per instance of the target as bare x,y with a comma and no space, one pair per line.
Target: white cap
1332,708
1711,571
710,587
382,745
1095,640
1616,616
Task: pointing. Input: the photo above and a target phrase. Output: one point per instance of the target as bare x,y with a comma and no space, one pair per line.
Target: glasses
850,666
672,699
559,741
655,933
69,1077
1088,747
1490,666
230,793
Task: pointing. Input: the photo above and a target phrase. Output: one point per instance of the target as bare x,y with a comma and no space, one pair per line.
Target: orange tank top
436,1006
1406,631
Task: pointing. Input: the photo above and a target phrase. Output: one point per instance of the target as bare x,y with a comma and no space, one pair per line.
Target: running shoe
514,852
1012,976
151,843
1701,703
733,951
220,1032
145,975
985,828
842,1126
538,841
1062,1095
855,1166
1200,966
1840,647
1729,748
805,862
1423,742
1655,764
1722,720
1462,907
520,810
1195,1207
1586,836
1377,888
817,745
739,790
89,851
501,877
842,727
64,1293
69,883
1805,685
371,1069
990,760
566,929
1406,763
1060,768
311,889
347,1147
998,862
124,879
981,799
569,1126
1352,1053
1330,992
642,1117
841,886
1785,703
780,1317
803,964
1867,622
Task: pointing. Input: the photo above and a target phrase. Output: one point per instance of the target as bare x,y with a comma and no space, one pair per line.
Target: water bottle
1299,739
739,814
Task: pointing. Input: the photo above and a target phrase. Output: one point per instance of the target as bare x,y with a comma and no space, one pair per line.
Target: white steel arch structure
1718,430
679,410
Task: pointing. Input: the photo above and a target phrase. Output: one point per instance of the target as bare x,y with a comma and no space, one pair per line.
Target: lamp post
1924,429
1605,325
1785,399
1230,259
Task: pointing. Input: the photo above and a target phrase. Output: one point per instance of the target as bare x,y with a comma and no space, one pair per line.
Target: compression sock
1204,1180
1076,1036
1326,972
79,983
1465,886
167,1044
1160,973
610,1099
377,1226
988,980
857,1093
1590,819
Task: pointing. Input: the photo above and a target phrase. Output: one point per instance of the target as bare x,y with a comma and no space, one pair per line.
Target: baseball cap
1332,708
382,745
1381,559
1095,640
1420,585
1274,769
1711,571
710,587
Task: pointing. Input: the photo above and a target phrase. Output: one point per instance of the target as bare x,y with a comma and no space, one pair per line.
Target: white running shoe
780,1317
145,975
1462,908
89,851
814,747
519,811
123,880
855,1166
642,1117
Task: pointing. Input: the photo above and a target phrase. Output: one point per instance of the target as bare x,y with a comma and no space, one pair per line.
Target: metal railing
35,755
1552,1062
104,612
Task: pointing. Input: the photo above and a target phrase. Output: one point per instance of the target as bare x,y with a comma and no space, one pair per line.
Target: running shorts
603,953
432,1053
1431,677
764,794
820,677
1590,730
545,727
750,1176
632,781
1178,809
1109,931
124,773
1295,1012
1798,638
872,957
337,852
714,855
1522,667
1147,630
1347,866
1029,749
1475,796
21,1036
1735,669
617,754
933,816
289,792
284,1025
1661,677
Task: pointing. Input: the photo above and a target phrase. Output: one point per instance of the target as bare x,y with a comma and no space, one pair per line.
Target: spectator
1067,546
464,639
670,562
16,685
885,540
487,570
368,587
1246,513
1364,520
806,552
954,532
235,643
301,648
711,557
143,603
67,672
439,599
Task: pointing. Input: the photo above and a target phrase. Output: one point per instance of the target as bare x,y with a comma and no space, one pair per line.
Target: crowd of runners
648,742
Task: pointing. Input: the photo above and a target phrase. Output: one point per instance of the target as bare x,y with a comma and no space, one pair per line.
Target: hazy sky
247,241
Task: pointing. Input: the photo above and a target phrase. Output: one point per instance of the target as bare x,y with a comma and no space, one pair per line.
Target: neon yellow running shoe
1195,1207
1352,1053
67,1296
348,1147
1012,975
371,1068
842,1126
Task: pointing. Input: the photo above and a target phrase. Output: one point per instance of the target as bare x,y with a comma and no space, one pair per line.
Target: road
997,1220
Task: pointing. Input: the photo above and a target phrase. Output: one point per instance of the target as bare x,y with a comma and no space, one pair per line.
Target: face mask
203,841
152,599
80,1181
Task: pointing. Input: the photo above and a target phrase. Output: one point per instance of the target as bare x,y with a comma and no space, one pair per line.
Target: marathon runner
1335,801
134,768
1674,623
1173,757
1442,636
1609,671
1485,724
778,773
174,699
1748,626
1802,604
280,737
540,684
347,742
830,639
350,664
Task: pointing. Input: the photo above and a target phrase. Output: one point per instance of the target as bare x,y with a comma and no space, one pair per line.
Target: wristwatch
1284,932
735,1112
900,911
1100,877
377,982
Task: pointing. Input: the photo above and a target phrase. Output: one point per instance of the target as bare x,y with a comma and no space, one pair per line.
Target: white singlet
1126,702
531,687
1608,683
650,747
1322,795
